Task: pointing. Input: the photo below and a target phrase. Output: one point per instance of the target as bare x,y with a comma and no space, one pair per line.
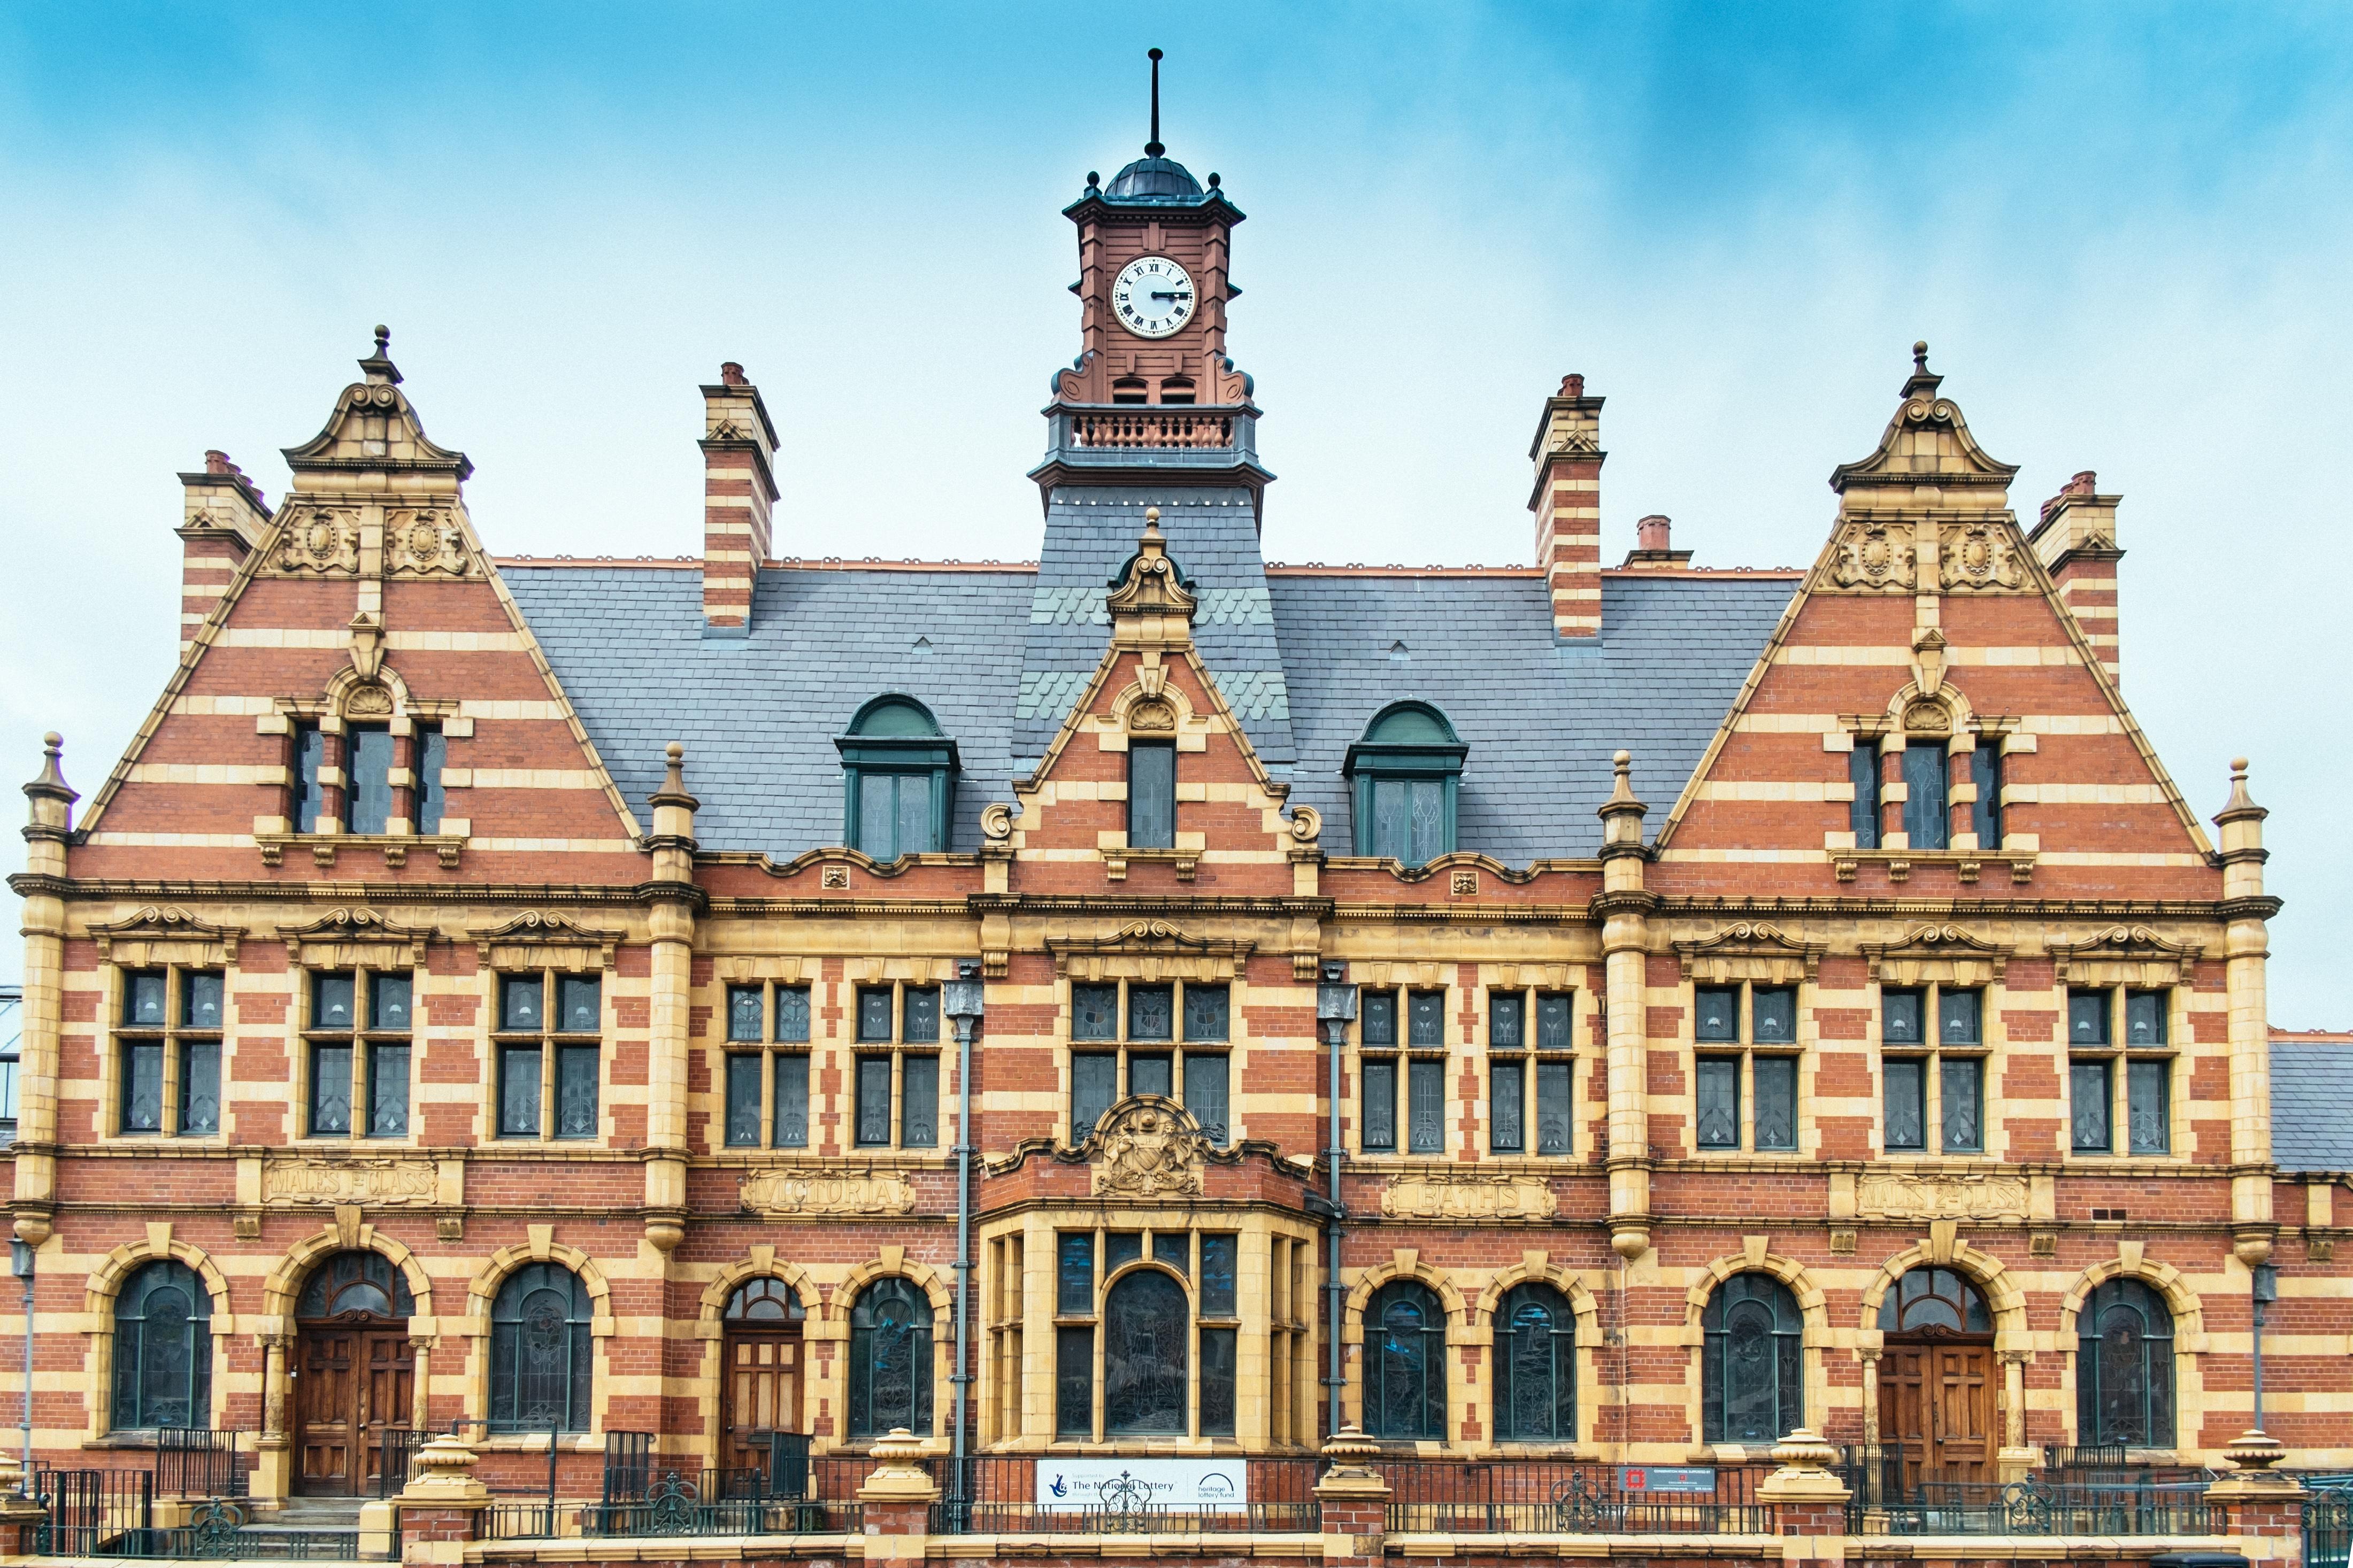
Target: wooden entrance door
763,1394
1937,1409
354,1381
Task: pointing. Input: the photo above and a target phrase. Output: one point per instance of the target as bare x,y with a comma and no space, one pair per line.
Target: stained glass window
369,786
1217,1280
890,1361
1151,795
1095,1012
2144,1018
1205,1093
1379,1024
576,1091
874,1102
1145,1330
1218,1382
874,1014
310,757
1752,1388
1094,1084
1772,1016
1506,1011
1206,1010
744,1101
1074,1273
199,1086
1426,1097
387,1091
1074,1382
1985,812
1507,1087
919,1014
1906,1110
142,1087
1862,771
1535,1366
1933,1299
1960,1017
330,1090
1555,1126
2124,1367
1719,1103
1404,1362
520,997
919,1102
746,1013
355,1281
1960,1083
1426,1022
540,1351
163,1348
432,797
1776,1085
792,1104
2091,1090
765,1300
1553,1023
1403,777
2087,1017
792,1013
1150,1013
1150,1074
2149,1105
1717,1014
1926,814
519,1092
1900,1018
1379,1134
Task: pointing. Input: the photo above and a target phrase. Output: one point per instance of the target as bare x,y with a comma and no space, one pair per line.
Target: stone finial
378,366
672,839
1151,522
1350,1446
1922,382
1802,1450
52,797
443,1472
2256,1450
898,1476
2240,803
731,375
673,784
1805,1476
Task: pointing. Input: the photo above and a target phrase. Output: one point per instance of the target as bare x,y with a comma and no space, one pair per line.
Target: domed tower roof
1154,179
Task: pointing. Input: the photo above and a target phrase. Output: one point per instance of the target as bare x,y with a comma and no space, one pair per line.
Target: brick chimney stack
738,489
1654,546
1567,504
2077,541
221,518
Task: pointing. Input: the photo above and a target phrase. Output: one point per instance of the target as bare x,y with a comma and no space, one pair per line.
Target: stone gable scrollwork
425,544
2123,956
1147,950
545,939
1940,953
1147,1147
1978,556
1875,555
165,923
317,541
1750,950
354,926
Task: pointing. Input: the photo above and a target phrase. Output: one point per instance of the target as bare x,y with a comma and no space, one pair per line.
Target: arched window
765,1300
2124,1367
540,1351
898,773
1146,1329
163,1348
355,1282
1752,1379
1932,1300
1404,1362
1404,777
890,1361
1535,1366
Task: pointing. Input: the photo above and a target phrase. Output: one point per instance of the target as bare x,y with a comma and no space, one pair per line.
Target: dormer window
898,773
1404,779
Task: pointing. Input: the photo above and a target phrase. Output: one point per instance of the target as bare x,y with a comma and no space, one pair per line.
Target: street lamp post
1336,1006
20,1261
964,1000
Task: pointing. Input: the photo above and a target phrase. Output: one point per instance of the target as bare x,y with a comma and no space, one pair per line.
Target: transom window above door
1934,1301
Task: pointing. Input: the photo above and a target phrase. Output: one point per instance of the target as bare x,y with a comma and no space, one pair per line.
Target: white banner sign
1181,1486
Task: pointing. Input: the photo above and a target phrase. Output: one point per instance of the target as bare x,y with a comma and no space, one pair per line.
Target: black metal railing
87,1513
2034,1507
199,1462
639,1498
1546,1497
998,1494
2329,1522
629,1466
395,1447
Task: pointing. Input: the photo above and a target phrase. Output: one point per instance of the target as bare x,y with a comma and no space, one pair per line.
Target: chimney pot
1572,385
731,375
1653,532
2084,483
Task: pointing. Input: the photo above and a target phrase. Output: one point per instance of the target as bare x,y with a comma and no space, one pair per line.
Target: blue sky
2124,229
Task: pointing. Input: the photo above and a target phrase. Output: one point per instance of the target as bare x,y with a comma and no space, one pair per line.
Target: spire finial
1920,356
1153,149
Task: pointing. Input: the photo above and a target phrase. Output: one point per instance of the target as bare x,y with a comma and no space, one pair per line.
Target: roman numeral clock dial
1152,296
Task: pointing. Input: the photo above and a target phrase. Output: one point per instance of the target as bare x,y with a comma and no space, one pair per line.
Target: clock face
1152,296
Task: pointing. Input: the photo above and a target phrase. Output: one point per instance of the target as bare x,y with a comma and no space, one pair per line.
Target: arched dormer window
898,772
1404,777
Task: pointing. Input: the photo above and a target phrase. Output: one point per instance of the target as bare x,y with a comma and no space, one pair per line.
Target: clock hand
1169,294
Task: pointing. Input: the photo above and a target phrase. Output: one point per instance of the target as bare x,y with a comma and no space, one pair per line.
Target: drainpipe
1336,1006
965,1000
2265,1292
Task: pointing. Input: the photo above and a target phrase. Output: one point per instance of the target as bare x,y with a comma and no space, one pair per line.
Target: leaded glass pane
576,1091
1535,1366
1405,1382
1074,1273
792,1106
142,1087
1145,1328
1960,1084
388,1091
1906,1109
2091,1097
1393,819
1752,1400
878,815
1556,1128
1862,771
1074,1382
200,1000
1207,1010
1380,1106
1926,814
1429,821
163,1348
519,1092
143,1001
1427,1091
913,833
1777,1101
2145,1018
919,1102
330,1002
922,1015
1506,1019
1900,1017
1120,1247
1219,1255
890,1361
1379,1022
1960,1017
432,796
2087,1017
1095,1012
540,1351
1173,1250
874,1102
1150,1013
1718,1012
1149,1075
1772,1016
369,789
310,756
1426,1025
2149,1105
1094,1084
2124,1369
520,997
1218,1382
200,1088
388,999
330,1091
1151,797
743,1074
1553,1023
792,1013
746,1013
1204,1094
1719,1103
1985,812
1506,1089
579,1005
874,1014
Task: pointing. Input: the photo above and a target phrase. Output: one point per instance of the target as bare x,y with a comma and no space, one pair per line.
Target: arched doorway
1936,1379
354,1375
761,1350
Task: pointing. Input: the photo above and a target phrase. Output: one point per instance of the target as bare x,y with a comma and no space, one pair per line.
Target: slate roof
998,656
2312,1106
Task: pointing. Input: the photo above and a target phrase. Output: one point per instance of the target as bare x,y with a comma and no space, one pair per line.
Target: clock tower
1152,394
